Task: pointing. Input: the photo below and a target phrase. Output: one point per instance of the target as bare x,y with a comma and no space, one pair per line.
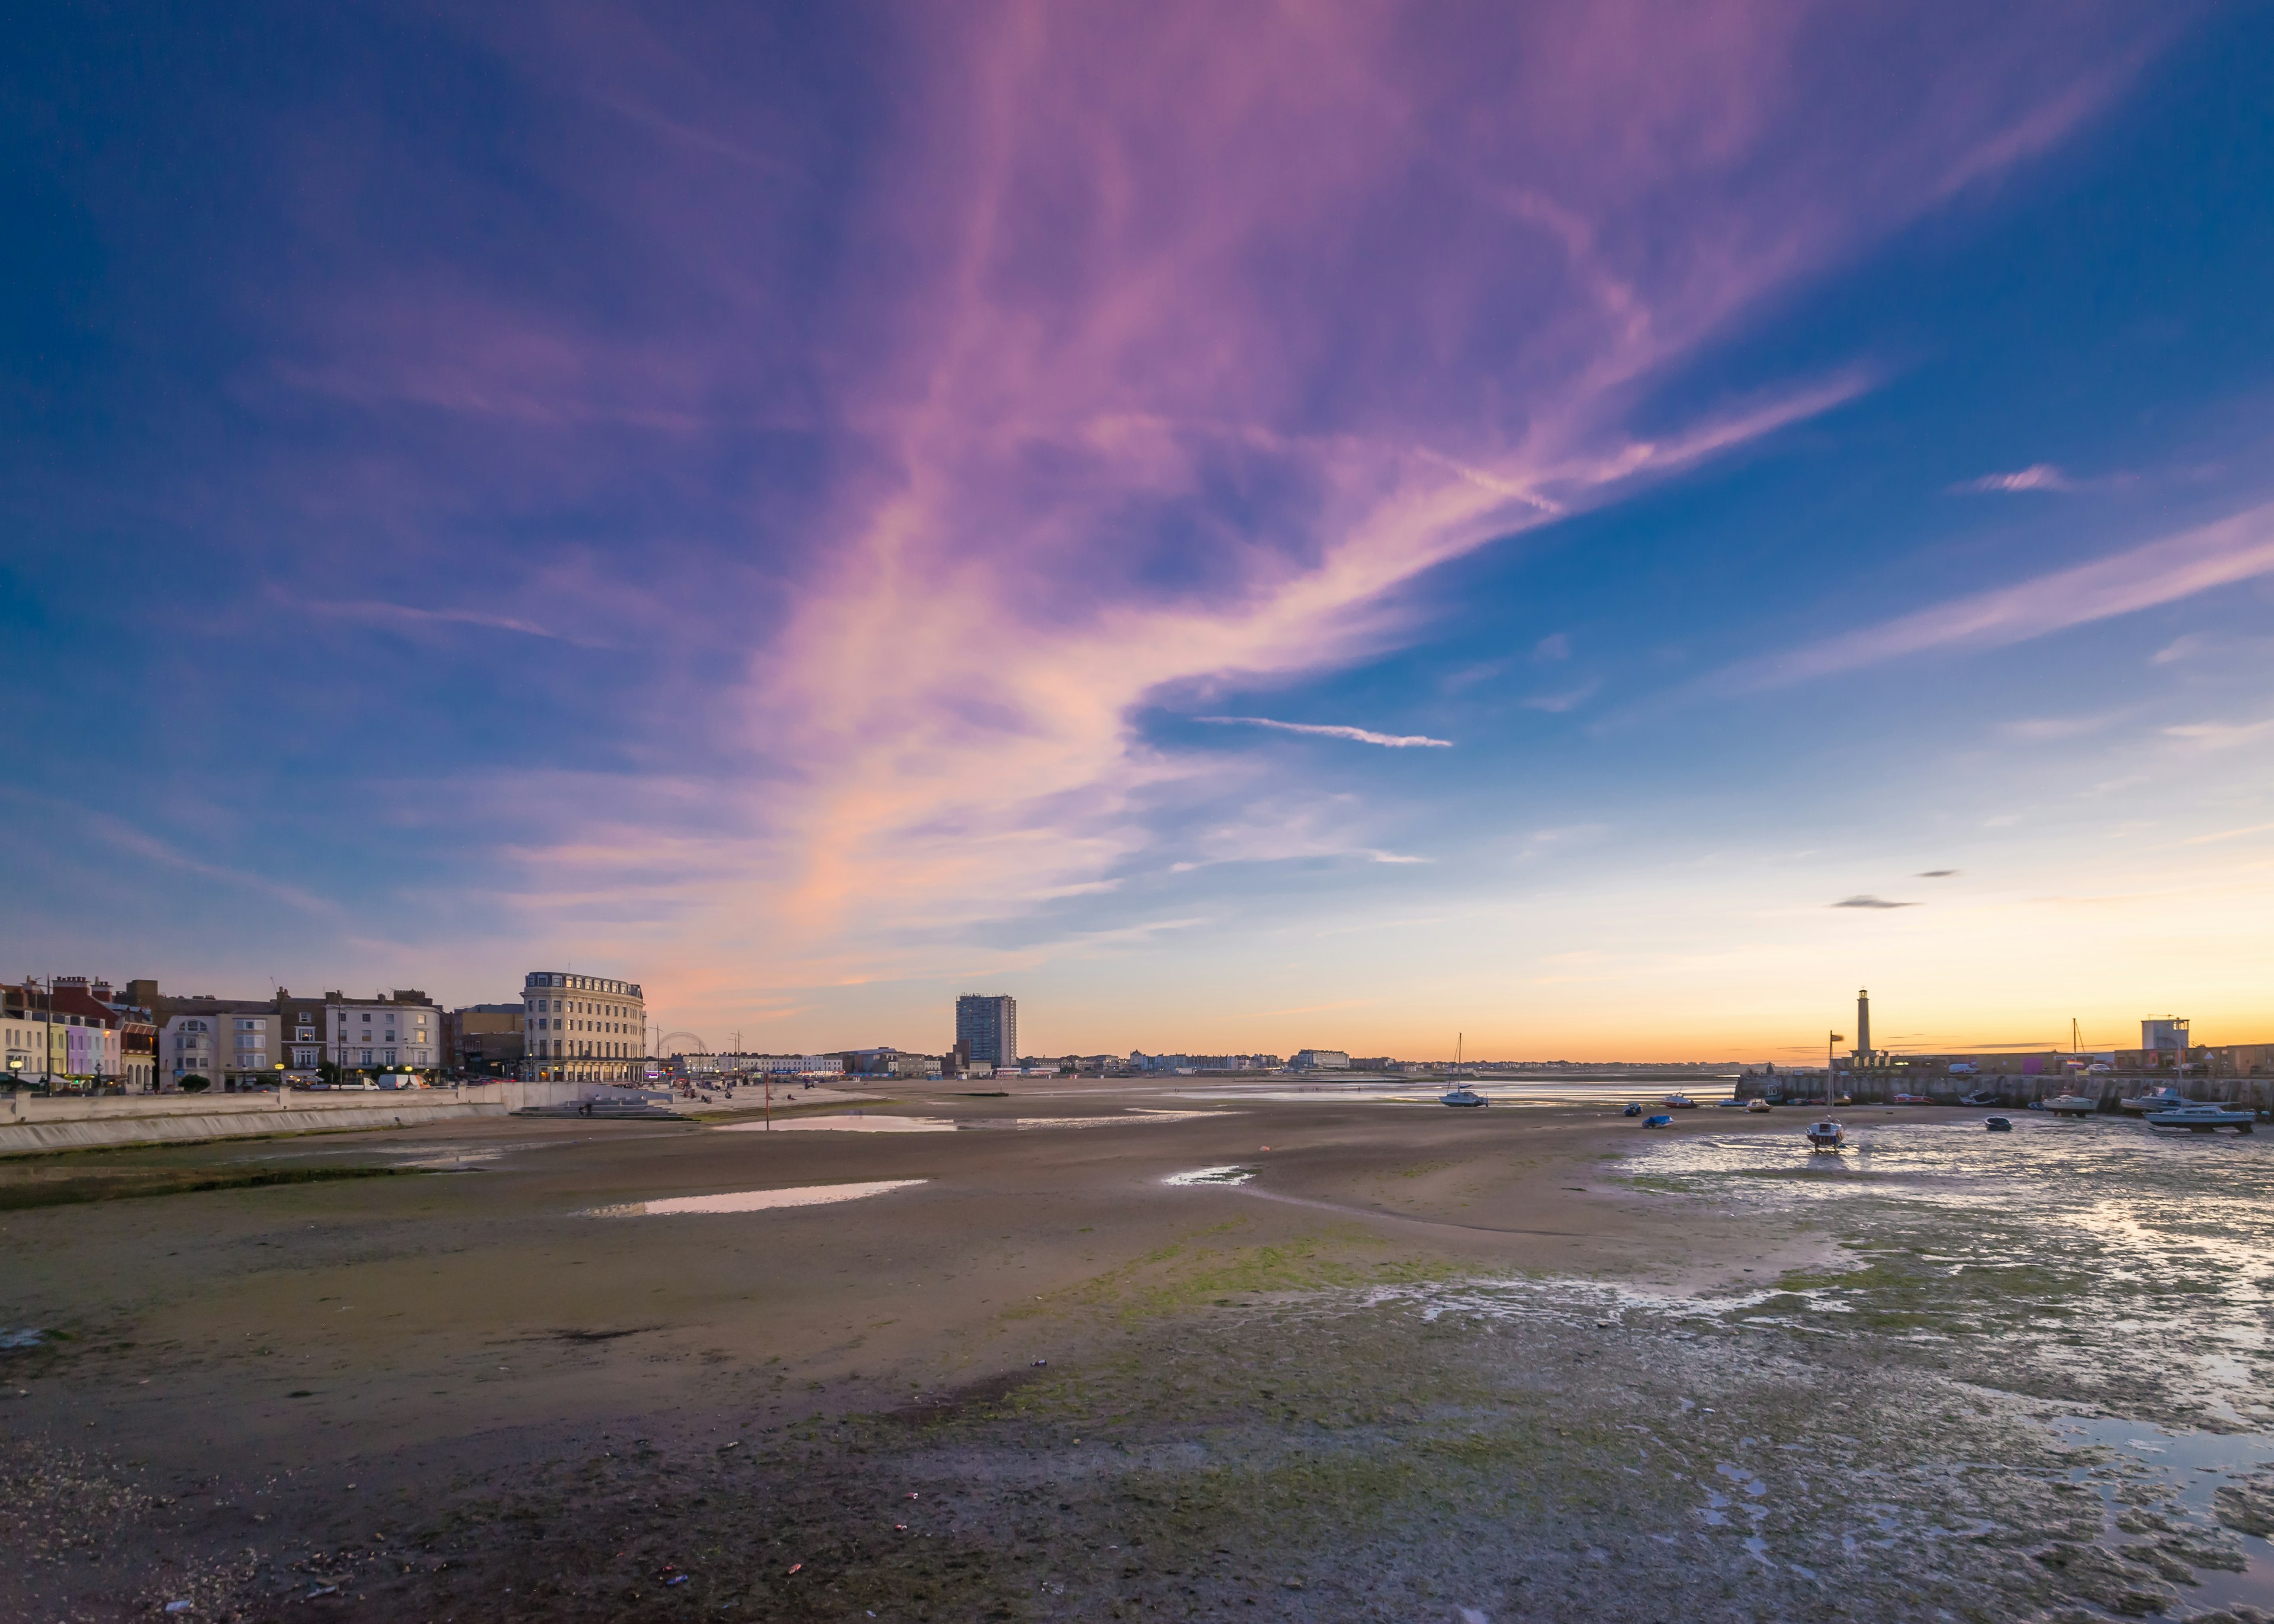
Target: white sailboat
1461,1093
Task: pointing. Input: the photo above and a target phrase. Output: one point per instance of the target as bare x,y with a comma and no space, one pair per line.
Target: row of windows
585,983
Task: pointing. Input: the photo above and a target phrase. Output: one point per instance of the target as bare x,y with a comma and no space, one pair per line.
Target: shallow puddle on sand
943,1124
753,1200
1214,1176
845,1124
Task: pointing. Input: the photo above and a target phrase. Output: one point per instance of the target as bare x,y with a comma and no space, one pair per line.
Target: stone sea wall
35,1123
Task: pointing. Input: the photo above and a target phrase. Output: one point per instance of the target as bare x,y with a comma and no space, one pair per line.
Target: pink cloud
2161,572
1396,278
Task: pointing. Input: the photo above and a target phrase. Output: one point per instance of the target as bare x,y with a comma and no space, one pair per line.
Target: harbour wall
31,1123
1876,1088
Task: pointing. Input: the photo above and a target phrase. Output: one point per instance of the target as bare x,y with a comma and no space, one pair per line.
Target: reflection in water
846,1124
753,1200
1706,1091
1214,1176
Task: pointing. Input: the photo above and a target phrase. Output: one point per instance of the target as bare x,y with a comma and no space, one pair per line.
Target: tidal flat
1528,1362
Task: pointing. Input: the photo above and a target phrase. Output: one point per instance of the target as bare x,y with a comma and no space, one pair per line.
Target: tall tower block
1863,1020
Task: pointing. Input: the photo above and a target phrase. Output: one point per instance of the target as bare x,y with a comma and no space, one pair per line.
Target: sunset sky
1599,529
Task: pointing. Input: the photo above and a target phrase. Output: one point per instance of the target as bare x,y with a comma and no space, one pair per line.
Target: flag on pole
1839,1037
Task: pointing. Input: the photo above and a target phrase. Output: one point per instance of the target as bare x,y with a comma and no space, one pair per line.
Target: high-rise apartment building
987,1028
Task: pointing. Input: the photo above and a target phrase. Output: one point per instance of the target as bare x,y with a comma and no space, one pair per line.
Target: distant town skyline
1243,531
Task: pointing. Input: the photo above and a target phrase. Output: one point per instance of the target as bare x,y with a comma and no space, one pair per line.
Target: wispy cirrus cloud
1357,735
2219,735
1556,704
373,612
2238,548
1869,902
1095,394
2036,476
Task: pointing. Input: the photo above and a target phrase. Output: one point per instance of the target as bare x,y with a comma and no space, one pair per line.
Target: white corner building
581,1029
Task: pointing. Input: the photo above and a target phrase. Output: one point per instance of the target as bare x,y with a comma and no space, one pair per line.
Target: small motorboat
1759,1108
2071,1105
2164,1099
1980,1097
2202,1118
1632,1109
1660,1121
1998,1124
1911,1098
1678,1102
1462,1095
1826,1135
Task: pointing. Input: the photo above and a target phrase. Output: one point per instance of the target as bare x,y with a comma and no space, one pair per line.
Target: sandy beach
1368,1358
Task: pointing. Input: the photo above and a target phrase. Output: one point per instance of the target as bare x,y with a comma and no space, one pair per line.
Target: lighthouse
1863,1025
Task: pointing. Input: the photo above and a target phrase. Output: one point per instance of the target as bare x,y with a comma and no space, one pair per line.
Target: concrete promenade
36,1123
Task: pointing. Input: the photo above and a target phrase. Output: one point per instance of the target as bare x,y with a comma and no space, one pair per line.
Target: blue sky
766,504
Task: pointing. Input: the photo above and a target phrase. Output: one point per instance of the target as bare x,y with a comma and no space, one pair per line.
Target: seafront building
402,1033
231,1043
484,1039
1322,1060
889,1062
583,1029
987,1029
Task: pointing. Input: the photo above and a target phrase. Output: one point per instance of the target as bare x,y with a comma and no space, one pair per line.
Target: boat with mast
1462,1093
1825,1133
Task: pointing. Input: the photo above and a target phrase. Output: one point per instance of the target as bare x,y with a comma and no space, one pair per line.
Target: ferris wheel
681,1043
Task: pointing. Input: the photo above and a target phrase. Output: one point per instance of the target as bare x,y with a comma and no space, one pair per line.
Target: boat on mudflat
2202,1118
1826,1135
2164,1099
1678,1102
1462,1095
2071,1105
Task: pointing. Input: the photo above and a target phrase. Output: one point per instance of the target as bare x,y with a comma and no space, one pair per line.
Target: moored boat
1998,1124
2071,1105
1757,1107
1678,1102
2164,1099
1462,1095
1660,1121
2204,1118
1826,1135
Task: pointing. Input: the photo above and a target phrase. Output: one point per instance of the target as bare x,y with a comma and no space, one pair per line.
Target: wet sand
1424,1364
